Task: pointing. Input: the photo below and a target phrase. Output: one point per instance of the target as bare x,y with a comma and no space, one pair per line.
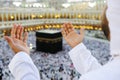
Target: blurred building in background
42,14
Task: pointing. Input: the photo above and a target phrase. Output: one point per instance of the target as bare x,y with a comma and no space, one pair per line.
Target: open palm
71,36
17,41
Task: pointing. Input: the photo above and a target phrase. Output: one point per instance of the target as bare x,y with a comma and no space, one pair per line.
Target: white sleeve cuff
18,58
77,49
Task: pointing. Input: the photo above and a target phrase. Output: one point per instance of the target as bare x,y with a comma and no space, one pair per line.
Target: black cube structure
48,41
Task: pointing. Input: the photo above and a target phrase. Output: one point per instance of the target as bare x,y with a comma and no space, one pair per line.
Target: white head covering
113,16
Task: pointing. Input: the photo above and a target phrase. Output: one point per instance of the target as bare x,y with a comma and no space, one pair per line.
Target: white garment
90,69
23,68
83,60
113,16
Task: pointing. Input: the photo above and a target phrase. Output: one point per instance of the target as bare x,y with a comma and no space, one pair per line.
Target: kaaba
48,41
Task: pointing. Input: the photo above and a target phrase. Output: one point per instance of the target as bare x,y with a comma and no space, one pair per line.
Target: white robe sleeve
83,60
23,68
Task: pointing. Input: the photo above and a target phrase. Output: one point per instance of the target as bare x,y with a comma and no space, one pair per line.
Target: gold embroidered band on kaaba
48,40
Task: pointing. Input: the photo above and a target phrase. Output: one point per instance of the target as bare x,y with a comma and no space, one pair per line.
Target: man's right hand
17,41
72,37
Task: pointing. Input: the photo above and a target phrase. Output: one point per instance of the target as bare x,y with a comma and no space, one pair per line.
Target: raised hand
72,37
18,40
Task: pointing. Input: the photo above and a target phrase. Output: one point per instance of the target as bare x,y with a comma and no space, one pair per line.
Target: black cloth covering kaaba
48,41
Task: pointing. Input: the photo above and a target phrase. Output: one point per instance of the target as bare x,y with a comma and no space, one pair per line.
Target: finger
82,31
25,37
70,27
18,32
66,28
21,33
63,30
63,33
10,41
64,25
13,31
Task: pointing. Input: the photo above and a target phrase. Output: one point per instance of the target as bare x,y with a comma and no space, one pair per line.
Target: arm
82,59
23,68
